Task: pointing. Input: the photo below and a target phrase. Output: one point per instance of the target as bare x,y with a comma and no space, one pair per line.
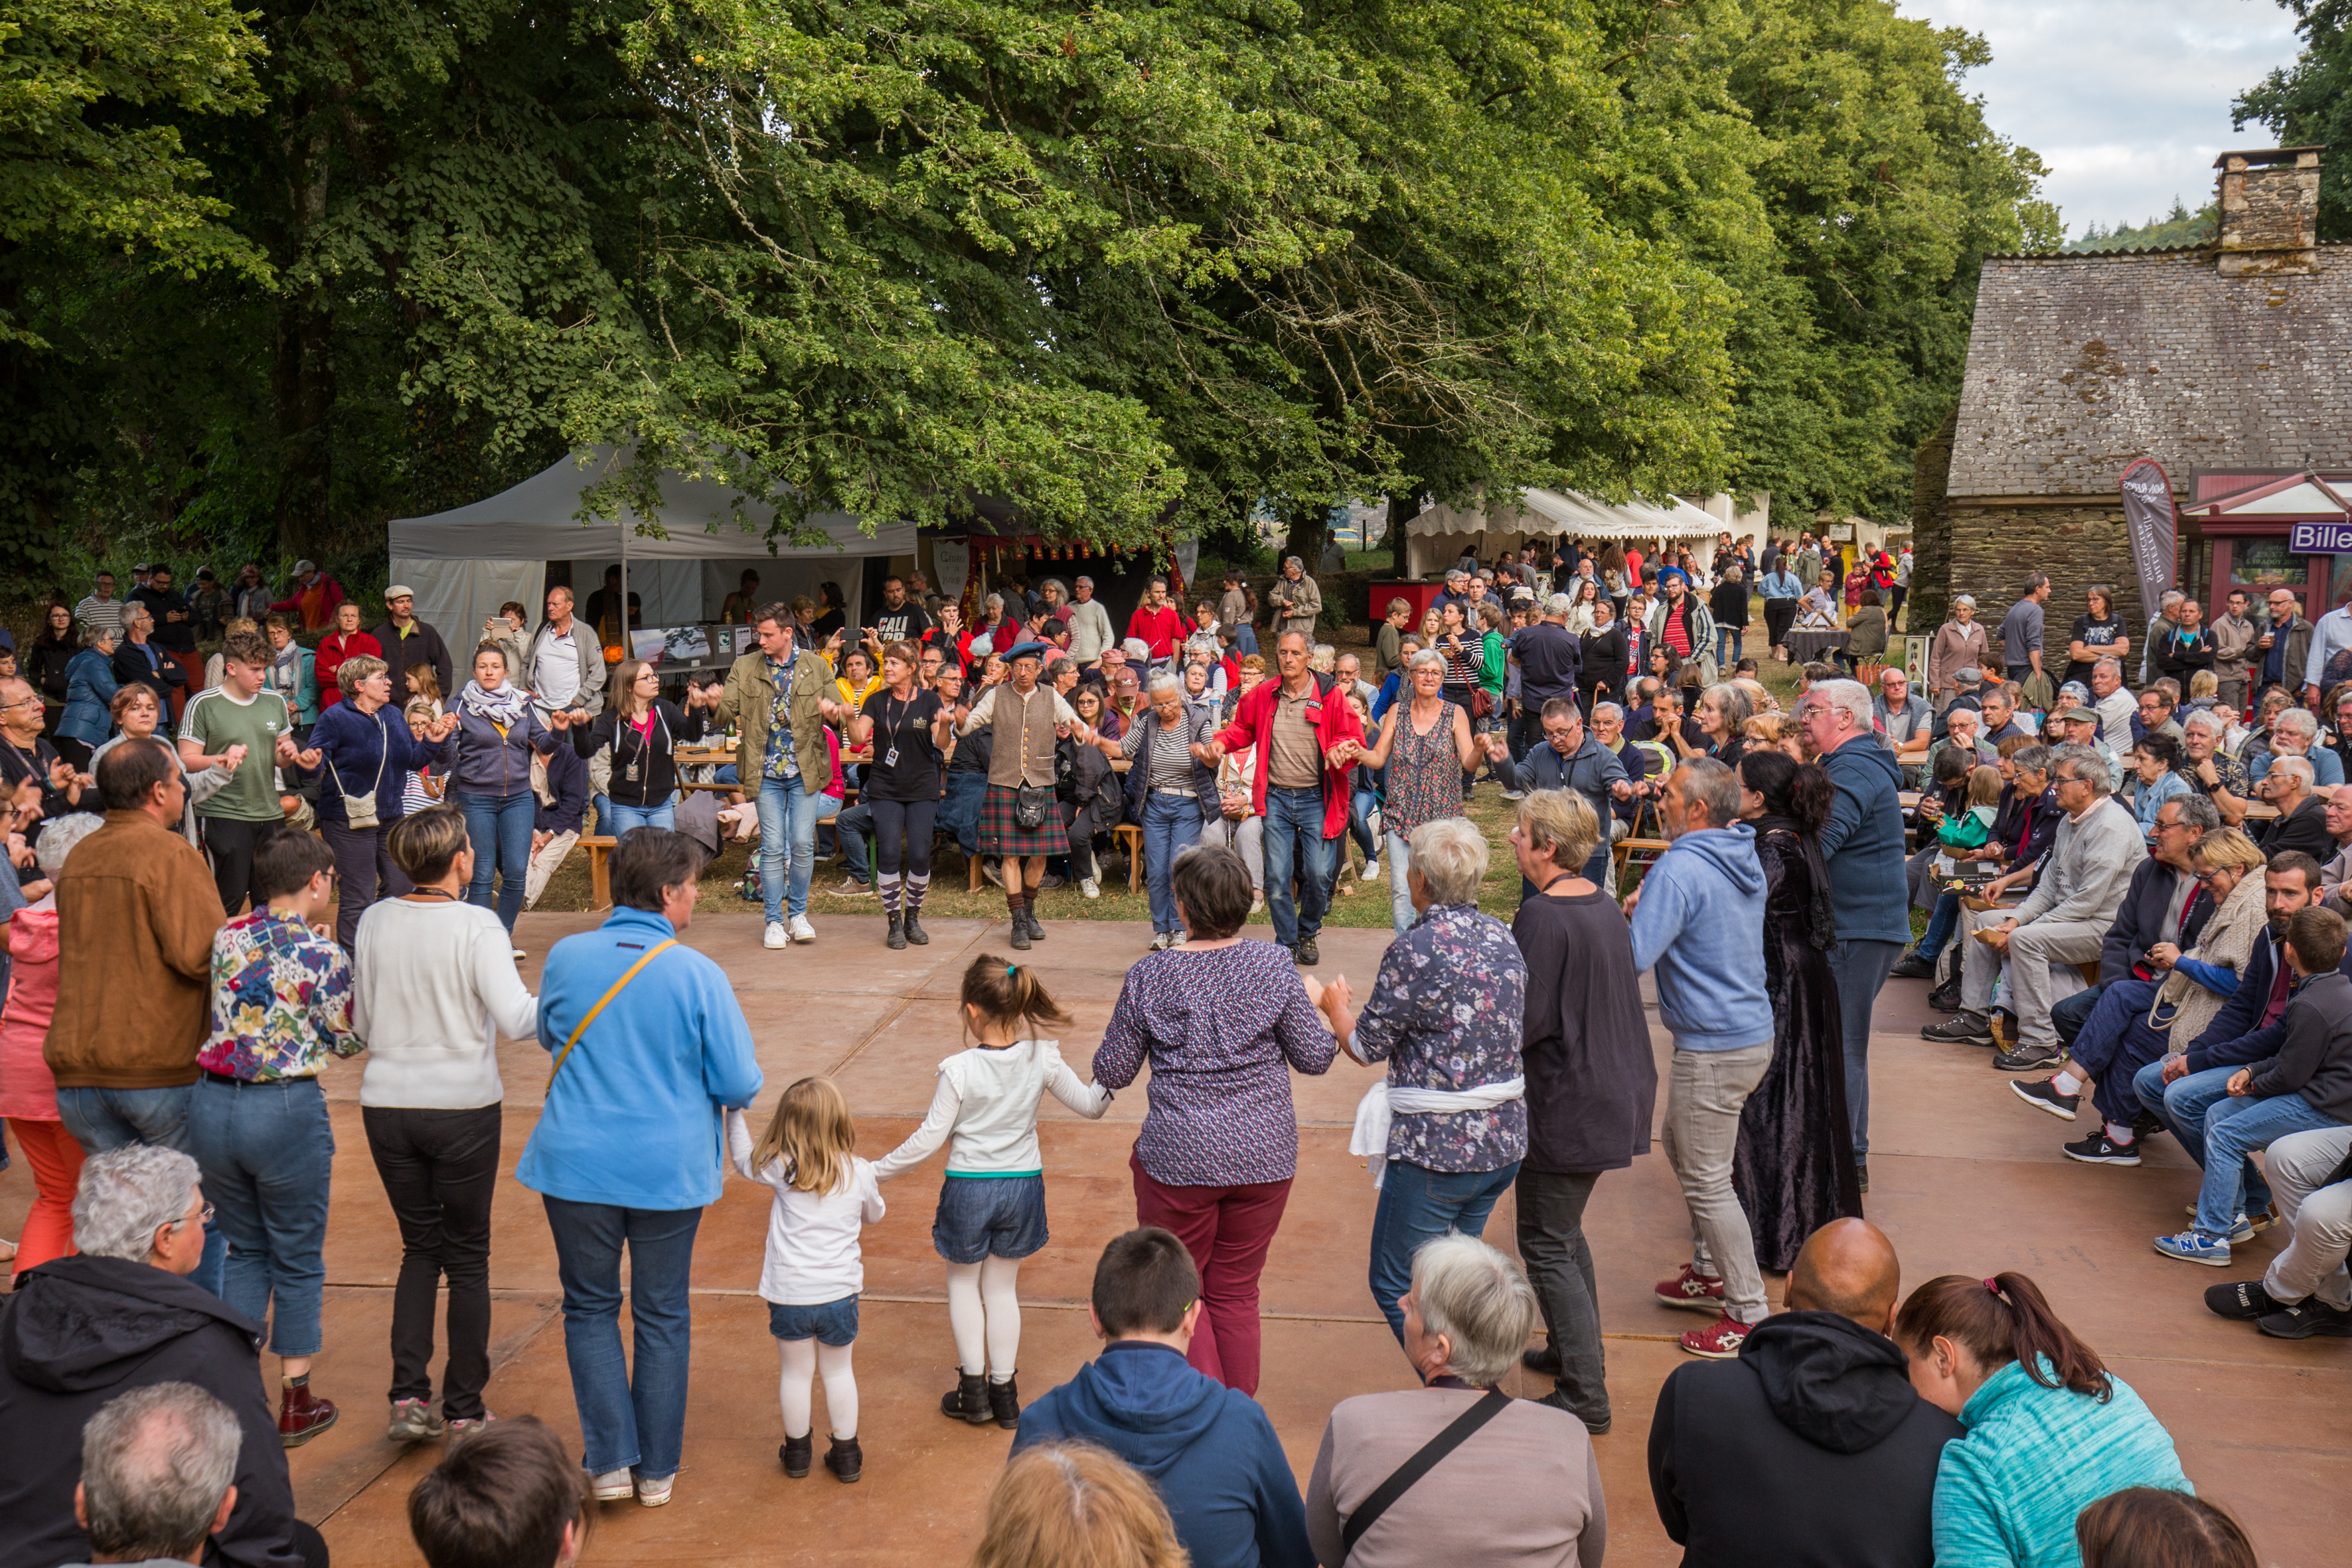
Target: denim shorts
831,1323
982,1216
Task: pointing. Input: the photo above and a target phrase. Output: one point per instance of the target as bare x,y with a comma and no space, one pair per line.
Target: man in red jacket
1299,731
1158,623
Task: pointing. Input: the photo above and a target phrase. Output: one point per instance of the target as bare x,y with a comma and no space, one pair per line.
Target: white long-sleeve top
987,1102
433,985
814,1255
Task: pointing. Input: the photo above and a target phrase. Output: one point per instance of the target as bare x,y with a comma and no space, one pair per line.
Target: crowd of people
167,1094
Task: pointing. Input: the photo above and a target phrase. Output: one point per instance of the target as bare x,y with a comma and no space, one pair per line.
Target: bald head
1848,1266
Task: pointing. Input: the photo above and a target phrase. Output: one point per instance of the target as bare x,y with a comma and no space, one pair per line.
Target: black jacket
79,1330
656,759
424,646
2140,922
1811,1448
130,665
2314,1056
2304,829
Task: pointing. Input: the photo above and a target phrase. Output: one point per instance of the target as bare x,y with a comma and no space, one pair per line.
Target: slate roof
2077,364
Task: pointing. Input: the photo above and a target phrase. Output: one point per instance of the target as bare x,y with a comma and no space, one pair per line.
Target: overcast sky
2128,101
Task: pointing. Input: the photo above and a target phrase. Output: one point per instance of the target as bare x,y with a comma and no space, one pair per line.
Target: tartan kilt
1001,834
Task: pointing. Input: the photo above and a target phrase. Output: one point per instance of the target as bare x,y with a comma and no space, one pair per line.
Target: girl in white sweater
991,1209
815,1267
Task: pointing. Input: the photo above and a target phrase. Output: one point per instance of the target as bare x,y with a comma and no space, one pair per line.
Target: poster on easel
950,568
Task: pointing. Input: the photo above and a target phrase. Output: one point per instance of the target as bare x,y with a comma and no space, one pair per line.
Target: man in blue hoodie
1862,850
1210,1449
1699,919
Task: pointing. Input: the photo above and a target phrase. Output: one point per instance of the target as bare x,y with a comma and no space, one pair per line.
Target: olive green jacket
750,696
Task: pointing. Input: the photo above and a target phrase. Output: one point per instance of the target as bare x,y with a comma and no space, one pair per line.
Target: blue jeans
1727,646
631,1418
1244,639
960,810
1940,926
1360,806
1418,1205
103,1118
500,826
625,817
1401,913
1295,845
1172,825
788,815
2234,1128
2182,1106
1860,968
268,1152
2069,1013
851,830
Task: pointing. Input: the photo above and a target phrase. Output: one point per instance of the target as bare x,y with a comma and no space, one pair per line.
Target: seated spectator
1073,1505
123,1315
157,1465
2306,1291
2212,772
1963,731
2142,1527
507,1497
2063,921
1530,1466
2302,822
1209,1449
2296,734
2025,820
2050,1428
2154,760
1810,1445
2306,1086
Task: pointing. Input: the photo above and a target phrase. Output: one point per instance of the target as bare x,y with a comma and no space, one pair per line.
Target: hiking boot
1720,1341
2242,1302
2027,1058
1029,914
797,1453
915,932
1020,933
413,1421
2099,1148
2043,1095
303,1415
1308,954
845,1459
2308,1317
897,939
1004,1403
1945,998
1911,966
2196,1247
1964,1028
1691,1291
968,1399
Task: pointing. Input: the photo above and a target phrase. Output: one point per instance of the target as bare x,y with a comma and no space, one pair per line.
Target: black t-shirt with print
904,728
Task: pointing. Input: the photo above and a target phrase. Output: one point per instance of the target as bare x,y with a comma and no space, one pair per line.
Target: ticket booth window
2266,563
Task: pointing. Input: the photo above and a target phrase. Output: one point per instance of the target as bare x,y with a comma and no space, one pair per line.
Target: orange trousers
55,1160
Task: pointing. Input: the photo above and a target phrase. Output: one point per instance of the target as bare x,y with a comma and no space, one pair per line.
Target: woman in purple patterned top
1446,1014
1222,1021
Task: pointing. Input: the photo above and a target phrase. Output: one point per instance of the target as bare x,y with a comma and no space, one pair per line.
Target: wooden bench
1130,836
600,870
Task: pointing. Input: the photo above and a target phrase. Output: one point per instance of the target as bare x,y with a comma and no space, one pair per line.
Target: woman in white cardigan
435,986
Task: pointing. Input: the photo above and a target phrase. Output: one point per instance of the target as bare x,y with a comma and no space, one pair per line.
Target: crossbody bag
1424,1459
614,990
359,810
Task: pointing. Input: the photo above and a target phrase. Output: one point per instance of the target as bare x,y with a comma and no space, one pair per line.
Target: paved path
1966,1179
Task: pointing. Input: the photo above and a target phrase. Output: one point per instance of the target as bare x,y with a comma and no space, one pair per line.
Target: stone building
2228,364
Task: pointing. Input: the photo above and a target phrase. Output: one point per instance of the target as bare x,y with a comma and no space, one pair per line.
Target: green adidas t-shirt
217,720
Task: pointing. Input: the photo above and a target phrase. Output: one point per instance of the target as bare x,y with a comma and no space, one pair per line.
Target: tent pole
628,643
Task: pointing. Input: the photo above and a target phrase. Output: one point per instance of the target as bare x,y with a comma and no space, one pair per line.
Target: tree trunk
1309,528
302,372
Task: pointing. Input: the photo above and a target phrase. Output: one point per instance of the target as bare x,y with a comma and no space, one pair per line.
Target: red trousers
55,1160
1227,1230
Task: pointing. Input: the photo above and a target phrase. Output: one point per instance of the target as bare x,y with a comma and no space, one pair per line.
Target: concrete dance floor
1967,1179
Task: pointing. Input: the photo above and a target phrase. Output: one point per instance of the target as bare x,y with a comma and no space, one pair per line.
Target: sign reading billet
2148,517
2320,538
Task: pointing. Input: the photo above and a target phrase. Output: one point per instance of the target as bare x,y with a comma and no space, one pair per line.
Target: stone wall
1995,547
1929,604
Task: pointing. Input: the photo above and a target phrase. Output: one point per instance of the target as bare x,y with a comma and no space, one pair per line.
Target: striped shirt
1171,766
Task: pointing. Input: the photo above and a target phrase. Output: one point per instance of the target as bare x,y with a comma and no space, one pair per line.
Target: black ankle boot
968,1399
915,932
1029,914
897,936
796,1454
1004,1403
845,1459
1021,928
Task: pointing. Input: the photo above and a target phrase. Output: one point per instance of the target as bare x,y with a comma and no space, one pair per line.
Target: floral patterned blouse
281,1001
1445,1013
1424,773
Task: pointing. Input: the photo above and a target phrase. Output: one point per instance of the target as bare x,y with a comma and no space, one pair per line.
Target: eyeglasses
203,1218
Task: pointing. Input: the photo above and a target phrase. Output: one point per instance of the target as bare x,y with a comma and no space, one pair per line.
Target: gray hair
2201,719
1851,698
2294,768
2083,763
1559,604
62,836
126,1195
1425,656
2033,759
1957,714
2302,720
1163,680
93,633
2197,811
1712,786
1290,560
2109,663
2171,597
995,599
1479,1299
1082,577
1968,599
1736,705
156,1464
1136,647
1449,856
1612,707
1058,663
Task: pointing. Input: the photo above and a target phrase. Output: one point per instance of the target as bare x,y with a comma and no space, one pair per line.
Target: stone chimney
2270,206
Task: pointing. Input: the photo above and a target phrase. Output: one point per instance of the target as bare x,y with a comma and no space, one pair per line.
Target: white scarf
1379,1103
503,707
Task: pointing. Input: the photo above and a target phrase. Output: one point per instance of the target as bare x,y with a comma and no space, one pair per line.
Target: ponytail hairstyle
1998,1321
1010,994
1799,791
812,1131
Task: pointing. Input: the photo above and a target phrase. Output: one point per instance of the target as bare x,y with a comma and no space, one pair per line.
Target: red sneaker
303,1415
1720,1341
1691,1291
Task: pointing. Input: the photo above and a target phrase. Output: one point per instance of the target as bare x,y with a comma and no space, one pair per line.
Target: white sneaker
521,953
653,1494
1372,871
802,930
614,1486
775,937
1091,886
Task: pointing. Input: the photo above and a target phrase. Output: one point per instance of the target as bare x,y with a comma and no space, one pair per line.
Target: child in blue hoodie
1209,1449
1698,920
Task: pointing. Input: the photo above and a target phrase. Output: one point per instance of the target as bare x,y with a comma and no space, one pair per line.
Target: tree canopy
271,277
2309,103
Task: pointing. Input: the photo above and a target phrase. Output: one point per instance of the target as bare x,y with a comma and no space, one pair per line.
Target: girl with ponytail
991,1212
1793,1167
2049,1429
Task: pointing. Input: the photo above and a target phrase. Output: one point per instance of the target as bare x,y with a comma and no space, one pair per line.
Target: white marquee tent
1436,537
465,563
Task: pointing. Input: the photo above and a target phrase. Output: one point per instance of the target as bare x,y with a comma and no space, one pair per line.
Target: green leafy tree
2310,102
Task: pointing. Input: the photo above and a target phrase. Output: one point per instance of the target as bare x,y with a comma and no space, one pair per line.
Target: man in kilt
1023,720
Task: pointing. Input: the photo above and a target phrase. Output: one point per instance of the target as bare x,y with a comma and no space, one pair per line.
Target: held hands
309,759
561,719
443,727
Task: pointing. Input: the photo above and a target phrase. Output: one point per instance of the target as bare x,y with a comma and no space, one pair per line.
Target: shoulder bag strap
1423,1461
590,1016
